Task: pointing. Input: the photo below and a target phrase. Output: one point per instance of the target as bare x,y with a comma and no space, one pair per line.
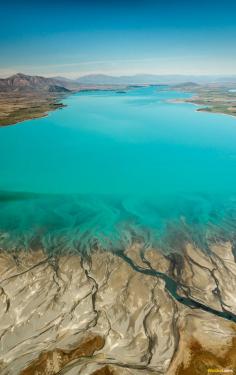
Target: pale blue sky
73,38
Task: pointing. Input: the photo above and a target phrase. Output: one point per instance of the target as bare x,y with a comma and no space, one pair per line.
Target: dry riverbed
105,314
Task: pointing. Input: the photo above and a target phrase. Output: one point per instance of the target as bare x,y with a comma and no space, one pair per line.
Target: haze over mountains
23,83
151,79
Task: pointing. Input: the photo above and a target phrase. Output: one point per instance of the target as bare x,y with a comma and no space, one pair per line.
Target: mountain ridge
151,79
20,82
25,83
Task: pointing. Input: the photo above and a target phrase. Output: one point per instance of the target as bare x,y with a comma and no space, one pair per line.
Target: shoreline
176,101
55,102
208,98
46,114
17,109
49,103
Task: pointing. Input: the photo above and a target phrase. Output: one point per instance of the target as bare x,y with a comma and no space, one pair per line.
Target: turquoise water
113,166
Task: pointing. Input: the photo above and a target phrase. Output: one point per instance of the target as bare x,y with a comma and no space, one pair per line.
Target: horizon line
47,75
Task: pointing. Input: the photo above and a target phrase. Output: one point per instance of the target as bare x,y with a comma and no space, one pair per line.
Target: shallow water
113,166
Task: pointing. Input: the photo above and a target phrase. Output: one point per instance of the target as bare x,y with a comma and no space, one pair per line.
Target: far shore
212,99
16,107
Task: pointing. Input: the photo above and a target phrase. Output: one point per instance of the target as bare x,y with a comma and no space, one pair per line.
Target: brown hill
24,83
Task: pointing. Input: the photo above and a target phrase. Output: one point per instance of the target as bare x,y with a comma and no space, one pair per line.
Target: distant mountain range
101,79
25,83
106,79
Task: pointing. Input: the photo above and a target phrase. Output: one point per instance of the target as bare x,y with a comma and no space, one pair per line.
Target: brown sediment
204,362
49,363
126,315
106,370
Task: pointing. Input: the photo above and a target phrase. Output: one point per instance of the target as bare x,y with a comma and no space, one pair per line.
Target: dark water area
64,223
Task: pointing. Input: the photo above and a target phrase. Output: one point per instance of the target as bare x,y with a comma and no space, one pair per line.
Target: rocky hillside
24,97
25,83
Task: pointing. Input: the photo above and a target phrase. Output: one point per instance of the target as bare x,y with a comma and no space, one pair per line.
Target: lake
115,166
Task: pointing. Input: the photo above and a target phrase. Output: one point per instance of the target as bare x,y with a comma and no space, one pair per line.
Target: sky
72,38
